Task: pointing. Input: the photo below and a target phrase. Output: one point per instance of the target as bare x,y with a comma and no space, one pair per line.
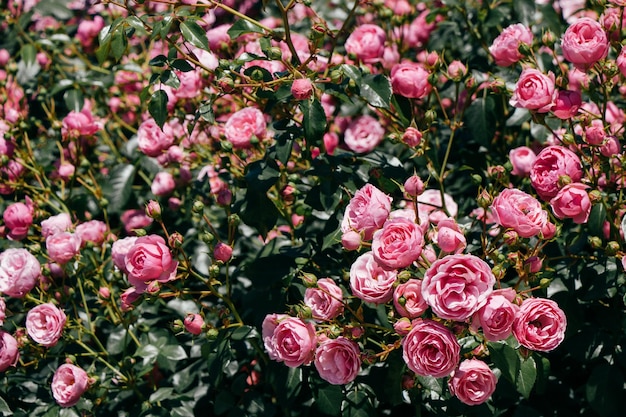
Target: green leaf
314,121
158,61
173,352
4,408
376,90
119,43
118,187
480,119
169,78
358,404
259,211
74,100
161,394
117,341
261,175
241,333
506,359
328,399
29,54
224,401
605,390
194,34
241,27
596,219
526,377
182,65
158,107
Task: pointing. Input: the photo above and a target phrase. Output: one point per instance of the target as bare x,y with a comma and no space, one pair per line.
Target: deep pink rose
408,300
398,244
289,340
594,133
18,217
621,61
410,79
522,159
338,361
366,43
567,104
539,324
153,141
325,300
61,222
584,43
551,163
534,90
69,383
367,211
610,147
88,30
127,298
472,382
369,281
572,202
412,136
149,259
194,323
456,286
92,231
522,212
79,124
243,125
302,89
9,353
449,237
63,247
19,272
44,324
497,315
163,184
430,349
363,134
222,252
505,48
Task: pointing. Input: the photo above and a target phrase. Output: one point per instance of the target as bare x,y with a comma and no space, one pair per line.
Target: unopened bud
595,242
198,206
308,279
612,248
153,210
595,196
175,240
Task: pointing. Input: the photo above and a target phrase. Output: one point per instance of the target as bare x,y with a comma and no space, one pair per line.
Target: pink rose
302,89
398,244
331,141
366,212
9,352
44,324
127,298
190,84
610,147
413,186
369,281
410,79
338,361
244,125
163,184
496,316
69,383
522,159
522,212
552,163
3,311
18,217
222,252
449,237
93,231
63,247
621,61
194,323
595,134
135,219
19,272
289,340
572,202
505,48
534,91
88,30
412,136
408,300
456,286
473,382
363,134
584,43
55,224
539,324
430,349
325,300
351,240
119,249
153,141
148,260
567,104
366,43
79,124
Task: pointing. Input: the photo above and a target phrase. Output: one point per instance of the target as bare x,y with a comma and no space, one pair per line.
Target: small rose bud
308,279
595,242
153,210
198,206
302,89
222,252
612,248
104,293
175,240
533,264
194,323
351,240
414,186
412,137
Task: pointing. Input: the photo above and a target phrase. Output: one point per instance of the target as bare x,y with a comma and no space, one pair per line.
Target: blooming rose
551,163
497,315
79,124
567,104
163,184
63,247
534,91
369,281
363,134
522,159
93,231
151,140
449,237
325,301
430,349
243,125
9,353
584,43
19,272
61,222
472,382
119,249
366,43
408,300
338,360
149,259
410,79
539,324
44,324
505,48
398,244
572,202
18,217
68,384
455,286
289,339
367,211
522,212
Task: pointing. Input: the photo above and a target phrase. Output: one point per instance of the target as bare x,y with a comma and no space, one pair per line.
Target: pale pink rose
63,247
408,300
4,57
551,163
413,186
149,259
19,272
363,134
65,170
430,349
267,332
621,61
153,141
9,352
473,382
412,137
367,211
584,43
119,249
534,90
79,124
522,212
135,219
88,30
567,104
366,43
398,244
302,89
456,286
610,147
497,315
3,313
572,202
222,252
417,33
522,159
163,184
45,323
243,125
190,84
449,236
92,231
369,281
127,298
11,172
291,340
430,203
325,300
456,70
505,48
18,217
338,361
539,324
69,383
194,323
218,37
410,79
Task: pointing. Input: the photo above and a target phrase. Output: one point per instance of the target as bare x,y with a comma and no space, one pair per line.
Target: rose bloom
44,324
366,43
369,281
408,300
367,211
149,259
410,79
243,125
430,349
133,219
456,286
398,244
163,184
18,217
338,361
572,202
9,353
473,382
539,324
522,212
449,237
567,104
68,384
551,163
363,134
153,141
79,124
325,301
505,48
55,224
19,272
594,133
93,231
522,159
412,136
63,247
119,249
584,43
621,61
289,340
534,90
496,316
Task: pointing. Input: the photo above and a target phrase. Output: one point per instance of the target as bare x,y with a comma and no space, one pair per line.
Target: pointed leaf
74,100
194,34
314,121
241,27
158,107
526,377
328,399
376,90
118,187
